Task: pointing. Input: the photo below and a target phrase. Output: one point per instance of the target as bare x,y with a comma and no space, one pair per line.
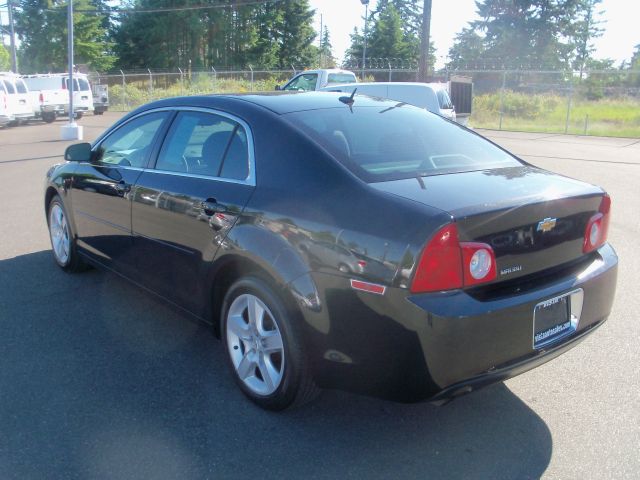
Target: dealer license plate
552,320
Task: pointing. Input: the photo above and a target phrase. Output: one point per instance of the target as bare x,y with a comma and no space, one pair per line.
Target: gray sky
448,17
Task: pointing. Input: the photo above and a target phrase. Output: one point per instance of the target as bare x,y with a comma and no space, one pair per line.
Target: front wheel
78,115
62,241
264,347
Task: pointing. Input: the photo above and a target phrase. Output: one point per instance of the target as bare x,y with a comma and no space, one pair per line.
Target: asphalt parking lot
100,380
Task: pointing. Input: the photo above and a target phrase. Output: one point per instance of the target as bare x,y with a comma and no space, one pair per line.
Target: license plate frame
557,317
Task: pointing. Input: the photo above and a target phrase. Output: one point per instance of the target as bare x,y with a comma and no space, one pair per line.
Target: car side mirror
278,87
79,152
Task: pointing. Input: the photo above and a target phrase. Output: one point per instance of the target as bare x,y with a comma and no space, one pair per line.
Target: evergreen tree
42,28
327,60
353,55
586,28
467,51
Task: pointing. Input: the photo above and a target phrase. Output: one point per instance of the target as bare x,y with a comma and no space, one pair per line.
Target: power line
169,9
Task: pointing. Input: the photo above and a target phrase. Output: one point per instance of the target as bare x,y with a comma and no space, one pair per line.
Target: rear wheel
48,117
62,240
78,115
264,348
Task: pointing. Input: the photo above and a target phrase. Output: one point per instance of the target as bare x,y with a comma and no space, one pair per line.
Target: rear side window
444,100
396,141
130,145
84,85
335,78
8,85
20,86
205,144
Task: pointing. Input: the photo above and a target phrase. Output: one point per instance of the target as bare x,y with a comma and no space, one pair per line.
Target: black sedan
340,242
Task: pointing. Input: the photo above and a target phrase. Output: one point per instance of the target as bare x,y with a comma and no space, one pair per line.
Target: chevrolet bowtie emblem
547,225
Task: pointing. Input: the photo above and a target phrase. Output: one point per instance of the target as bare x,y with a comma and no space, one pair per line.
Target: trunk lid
533,219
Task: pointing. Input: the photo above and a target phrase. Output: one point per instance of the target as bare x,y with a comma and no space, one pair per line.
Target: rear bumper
437,346
53,108
4,119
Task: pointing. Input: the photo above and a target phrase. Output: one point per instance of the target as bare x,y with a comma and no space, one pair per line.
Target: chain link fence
584,103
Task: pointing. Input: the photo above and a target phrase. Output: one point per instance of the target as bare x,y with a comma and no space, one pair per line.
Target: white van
17,97
431,96
5,114
53,94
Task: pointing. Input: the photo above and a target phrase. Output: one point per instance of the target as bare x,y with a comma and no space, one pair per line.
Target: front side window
306,82
394,141
130,145
205,144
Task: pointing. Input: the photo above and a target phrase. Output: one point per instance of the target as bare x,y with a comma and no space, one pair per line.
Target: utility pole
423,68
364,47
12,38
320,43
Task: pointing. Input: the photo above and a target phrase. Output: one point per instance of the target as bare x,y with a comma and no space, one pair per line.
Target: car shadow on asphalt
102,380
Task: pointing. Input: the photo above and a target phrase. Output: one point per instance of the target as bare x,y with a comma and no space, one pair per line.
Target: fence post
150,84
586,124
504,84
124,91
390,71
181,81
251,68
294,70
215,77
566,122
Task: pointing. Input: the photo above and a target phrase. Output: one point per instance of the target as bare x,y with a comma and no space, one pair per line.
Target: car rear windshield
335,78
398,141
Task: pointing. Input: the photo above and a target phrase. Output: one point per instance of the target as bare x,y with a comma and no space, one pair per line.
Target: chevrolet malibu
340,242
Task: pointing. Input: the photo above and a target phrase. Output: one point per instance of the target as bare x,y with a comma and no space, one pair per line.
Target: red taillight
41,98
595,235
446,263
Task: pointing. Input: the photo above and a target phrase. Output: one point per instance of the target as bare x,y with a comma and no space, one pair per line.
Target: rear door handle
210,207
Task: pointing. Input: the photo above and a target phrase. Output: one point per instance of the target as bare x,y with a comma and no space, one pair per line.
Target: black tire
98,112
78,115
49,117
296,386
74,263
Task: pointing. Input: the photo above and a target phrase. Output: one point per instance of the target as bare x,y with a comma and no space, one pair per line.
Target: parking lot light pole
71,131
12,38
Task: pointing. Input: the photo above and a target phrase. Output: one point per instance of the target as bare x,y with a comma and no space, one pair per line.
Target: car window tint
236,162
22,88
443,99
398,141
9,86
196,144
130,144
341,78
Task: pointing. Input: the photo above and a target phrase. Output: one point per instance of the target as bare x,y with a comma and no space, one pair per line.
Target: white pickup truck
50,95
310,80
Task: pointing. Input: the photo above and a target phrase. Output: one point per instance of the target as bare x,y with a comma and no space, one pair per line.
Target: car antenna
349,100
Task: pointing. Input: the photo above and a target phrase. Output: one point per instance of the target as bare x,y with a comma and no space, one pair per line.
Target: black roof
277,102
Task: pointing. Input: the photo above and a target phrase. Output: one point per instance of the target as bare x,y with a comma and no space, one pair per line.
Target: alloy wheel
255,344
59,231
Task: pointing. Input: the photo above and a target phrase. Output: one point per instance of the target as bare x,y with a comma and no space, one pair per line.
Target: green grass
547,114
